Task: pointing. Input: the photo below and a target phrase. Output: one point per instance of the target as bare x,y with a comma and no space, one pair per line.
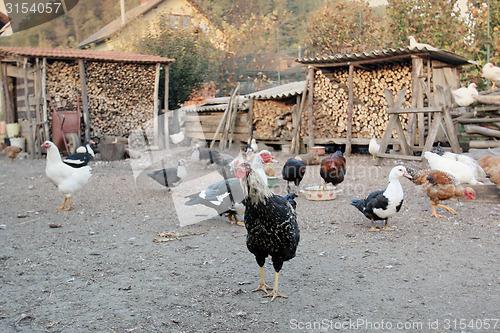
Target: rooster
11,151
271,224
293,171
67,178
439,185
382,205
333,169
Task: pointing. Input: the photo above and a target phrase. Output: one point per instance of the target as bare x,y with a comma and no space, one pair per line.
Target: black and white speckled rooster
271,224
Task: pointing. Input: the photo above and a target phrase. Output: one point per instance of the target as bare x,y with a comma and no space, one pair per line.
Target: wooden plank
478,120
213,137
416,110
30,139
165,106
85,102
473,129
193,126
241,120
44,99
484,144
399,156
350,106
310,115
250,119
156,106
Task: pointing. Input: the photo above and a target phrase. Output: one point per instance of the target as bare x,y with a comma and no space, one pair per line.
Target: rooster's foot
275,294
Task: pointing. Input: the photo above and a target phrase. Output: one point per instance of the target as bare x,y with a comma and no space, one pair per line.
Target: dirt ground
101,271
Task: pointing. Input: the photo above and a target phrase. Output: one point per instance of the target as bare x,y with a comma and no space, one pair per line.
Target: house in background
181,13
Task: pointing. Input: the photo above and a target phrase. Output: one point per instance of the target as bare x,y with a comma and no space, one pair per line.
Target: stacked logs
120,96
273,119
331,96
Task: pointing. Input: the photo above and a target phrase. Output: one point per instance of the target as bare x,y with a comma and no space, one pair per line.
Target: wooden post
45,117
37,82
3,94
10,117
156,107
296,131
350,107
30,139
250,119
310,110
85,103
165,106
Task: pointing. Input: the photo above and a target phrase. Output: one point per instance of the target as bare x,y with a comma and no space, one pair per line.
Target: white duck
464,96
177,138
67,178
459,170
373,146
491,73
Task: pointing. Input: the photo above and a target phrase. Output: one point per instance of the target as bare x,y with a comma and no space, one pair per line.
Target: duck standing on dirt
382,205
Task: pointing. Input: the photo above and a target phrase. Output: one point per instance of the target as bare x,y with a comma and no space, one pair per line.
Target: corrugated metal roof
386,55
211,107
115,56
279,92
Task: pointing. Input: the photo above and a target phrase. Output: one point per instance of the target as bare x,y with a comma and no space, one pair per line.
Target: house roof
111,28
116,25
114,56
386,55
283,91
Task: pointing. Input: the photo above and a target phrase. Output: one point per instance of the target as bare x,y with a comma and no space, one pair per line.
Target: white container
12,130
19,142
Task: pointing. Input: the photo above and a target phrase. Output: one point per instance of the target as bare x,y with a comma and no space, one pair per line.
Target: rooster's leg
63,206
69,206
451,210
263,286
434,213
275,292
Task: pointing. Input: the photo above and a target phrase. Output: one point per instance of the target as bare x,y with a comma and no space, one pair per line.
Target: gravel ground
101,271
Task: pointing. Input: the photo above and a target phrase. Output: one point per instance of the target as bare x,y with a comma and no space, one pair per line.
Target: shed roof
279,92
113,56
386,55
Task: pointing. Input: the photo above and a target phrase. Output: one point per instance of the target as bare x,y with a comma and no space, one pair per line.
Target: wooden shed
349,99
115,92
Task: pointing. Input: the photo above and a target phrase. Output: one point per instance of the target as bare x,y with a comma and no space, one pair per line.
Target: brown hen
11,151
439,185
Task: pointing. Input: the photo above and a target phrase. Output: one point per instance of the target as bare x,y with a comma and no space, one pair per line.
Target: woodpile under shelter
350,99
115,92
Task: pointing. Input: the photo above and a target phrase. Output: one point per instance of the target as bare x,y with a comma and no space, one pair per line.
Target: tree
193,53
345,26
434,22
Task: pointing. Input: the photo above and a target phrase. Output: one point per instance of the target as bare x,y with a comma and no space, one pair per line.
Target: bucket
20,142
12,130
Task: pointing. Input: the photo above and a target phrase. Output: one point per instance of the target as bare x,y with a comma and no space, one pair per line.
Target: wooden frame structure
430,68
30,65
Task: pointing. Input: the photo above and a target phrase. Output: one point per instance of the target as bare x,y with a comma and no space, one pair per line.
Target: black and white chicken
170,177
382,205
293,171
82,157
271,223
201,156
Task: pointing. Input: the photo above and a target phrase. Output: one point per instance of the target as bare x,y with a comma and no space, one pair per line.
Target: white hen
177,138
465,96
472,163
373,146
491,73
414,44
67,179
459,170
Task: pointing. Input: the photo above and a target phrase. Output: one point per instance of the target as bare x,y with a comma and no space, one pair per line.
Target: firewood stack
120,96
331,96
273,119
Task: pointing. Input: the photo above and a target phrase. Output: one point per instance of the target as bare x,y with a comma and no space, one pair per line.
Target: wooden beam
30,139
350,106
156,108
45,117
473,129
250,119
85,103
165,106
310,111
